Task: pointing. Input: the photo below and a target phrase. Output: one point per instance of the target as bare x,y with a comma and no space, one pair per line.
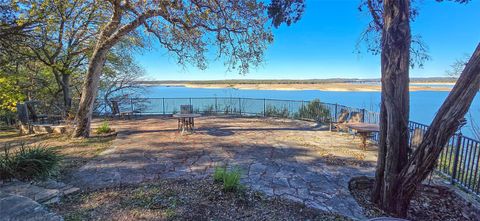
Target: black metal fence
458,162
240,106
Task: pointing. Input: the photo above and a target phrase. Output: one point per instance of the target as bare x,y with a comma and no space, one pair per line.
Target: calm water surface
423,104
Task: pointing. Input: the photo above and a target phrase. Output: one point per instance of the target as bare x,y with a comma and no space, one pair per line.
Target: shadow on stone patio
275,157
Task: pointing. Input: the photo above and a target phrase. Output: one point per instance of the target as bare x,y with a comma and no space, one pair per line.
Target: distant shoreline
340,87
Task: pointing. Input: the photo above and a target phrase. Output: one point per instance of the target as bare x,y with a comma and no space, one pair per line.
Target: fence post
455,158
336,110
131,104
216,106
190,101
363,115
264,107
163,105
240,106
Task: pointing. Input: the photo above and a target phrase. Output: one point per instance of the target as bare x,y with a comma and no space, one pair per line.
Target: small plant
229,178
218,174
104,128
29,163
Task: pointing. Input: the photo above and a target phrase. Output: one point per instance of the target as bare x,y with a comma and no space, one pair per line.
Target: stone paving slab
19,208
24,201
292,159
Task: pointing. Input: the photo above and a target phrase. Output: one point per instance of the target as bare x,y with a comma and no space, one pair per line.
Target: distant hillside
307,81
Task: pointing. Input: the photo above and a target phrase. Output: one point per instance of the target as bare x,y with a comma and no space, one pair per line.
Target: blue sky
322,45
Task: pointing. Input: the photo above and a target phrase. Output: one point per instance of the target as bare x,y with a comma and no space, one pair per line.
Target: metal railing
458,162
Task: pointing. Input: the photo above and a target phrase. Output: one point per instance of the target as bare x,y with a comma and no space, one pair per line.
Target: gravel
183,200
429,203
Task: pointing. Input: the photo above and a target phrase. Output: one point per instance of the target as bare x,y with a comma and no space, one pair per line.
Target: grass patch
104,128
229,178
29,162
218,174
75,152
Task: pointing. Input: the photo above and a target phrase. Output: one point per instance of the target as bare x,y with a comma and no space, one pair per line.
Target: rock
51,184
70,190
360,183
36,193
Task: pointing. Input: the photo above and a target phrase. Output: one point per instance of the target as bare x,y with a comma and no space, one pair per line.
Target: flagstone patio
293,159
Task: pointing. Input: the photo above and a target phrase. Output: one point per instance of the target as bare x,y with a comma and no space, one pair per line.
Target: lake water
423,104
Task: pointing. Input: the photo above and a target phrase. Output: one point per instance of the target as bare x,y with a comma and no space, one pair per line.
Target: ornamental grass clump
29,162
229,178
104,128
218,174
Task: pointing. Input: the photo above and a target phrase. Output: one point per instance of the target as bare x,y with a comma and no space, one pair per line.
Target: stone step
14,207
44,192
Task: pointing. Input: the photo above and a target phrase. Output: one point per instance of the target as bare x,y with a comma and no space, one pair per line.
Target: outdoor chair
117,113
355,117
339,124
416,139
31,121
186,109
28,114
186,120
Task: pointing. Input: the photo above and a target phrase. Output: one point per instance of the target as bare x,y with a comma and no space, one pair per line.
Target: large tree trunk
63,81
89,92
446,122
393,146
67,97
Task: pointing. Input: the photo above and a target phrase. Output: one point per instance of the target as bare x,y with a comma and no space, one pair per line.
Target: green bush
229,178
315,110
29,163
272,111
104,128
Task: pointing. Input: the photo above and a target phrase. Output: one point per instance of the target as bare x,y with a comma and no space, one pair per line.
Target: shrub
209,110
104,128
230,178
227,109
272,111
29,163
314,110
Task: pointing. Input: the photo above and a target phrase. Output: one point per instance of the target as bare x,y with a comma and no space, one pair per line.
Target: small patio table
186,122
364,130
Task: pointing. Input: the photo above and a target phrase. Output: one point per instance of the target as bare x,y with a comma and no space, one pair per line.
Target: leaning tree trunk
395,61
89,92
444,125
109,36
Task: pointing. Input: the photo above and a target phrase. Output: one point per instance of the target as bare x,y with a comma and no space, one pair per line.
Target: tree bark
444,125
393,146
89,92
67,97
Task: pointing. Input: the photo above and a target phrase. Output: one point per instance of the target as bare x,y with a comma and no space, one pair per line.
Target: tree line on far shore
299,81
